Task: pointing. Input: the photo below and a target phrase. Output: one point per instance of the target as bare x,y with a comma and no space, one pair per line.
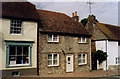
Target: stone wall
113,67
22,72
67,45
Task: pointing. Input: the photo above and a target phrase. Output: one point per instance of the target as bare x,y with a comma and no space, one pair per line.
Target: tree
84,21
100,56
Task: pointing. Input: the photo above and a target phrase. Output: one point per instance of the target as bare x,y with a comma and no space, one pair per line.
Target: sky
105,12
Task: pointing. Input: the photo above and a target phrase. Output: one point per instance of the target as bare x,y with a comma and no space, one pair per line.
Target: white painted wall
101,45
29,34
119,51
112,52
111,47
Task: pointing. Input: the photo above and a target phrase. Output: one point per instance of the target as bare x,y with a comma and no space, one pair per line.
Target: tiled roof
21,10
110,31
59,22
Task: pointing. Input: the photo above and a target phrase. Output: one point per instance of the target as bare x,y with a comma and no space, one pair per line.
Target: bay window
18,54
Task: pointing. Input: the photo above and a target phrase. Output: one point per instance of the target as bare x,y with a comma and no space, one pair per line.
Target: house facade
105,37
18,39
64,44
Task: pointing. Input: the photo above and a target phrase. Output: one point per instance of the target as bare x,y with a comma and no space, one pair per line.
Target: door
69,63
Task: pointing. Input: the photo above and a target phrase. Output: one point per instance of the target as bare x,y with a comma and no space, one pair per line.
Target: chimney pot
75,13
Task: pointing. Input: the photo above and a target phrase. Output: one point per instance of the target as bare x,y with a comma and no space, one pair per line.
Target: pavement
96,73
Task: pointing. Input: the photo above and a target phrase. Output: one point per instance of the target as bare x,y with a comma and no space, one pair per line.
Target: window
118,60
53,38
82,59
53,59
16,27
81,39
18,54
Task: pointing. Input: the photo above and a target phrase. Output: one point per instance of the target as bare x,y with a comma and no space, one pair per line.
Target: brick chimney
75,16
92,18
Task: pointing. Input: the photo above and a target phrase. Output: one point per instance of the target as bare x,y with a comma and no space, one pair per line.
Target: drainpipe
106,51
90,56
37,48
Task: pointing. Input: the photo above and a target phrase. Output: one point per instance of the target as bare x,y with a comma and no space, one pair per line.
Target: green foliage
85,21
100,56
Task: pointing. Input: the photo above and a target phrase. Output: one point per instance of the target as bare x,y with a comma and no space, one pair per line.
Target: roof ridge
103,29
109,24
51,11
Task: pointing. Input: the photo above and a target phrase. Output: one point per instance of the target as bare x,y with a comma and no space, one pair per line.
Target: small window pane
55,56
50,56
19,51
79,57
25,51
54,62
79,61
19,60
83,60
12,60
12,51
49,37
25,59
68,58
83,39
49,62
83,56
79,39
54,37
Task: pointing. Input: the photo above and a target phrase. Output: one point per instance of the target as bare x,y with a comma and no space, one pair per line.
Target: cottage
18,39
64,44
105,37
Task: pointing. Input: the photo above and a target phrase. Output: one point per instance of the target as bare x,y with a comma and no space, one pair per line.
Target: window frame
18,44
21,27
117,60
82,59
81,38
52,38
53,59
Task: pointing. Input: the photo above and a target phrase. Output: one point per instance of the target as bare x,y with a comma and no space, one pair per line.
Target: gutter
38,49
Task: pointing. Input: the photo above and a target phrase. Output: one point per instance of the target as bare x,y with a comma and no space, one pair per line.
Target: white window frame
53,59
21,27
53,38
81,38
82,59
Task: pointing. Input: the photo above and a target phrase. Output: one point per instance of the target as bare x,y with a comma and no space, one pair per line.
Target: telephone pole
90,3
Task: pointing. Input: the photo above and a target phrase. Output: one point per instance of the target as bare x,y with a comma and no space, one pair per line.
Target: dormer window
82,39
16,27
53,38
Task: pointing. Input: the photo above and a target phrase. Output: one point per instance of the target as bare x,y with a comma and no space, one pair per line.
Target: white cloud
73,0
106,12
